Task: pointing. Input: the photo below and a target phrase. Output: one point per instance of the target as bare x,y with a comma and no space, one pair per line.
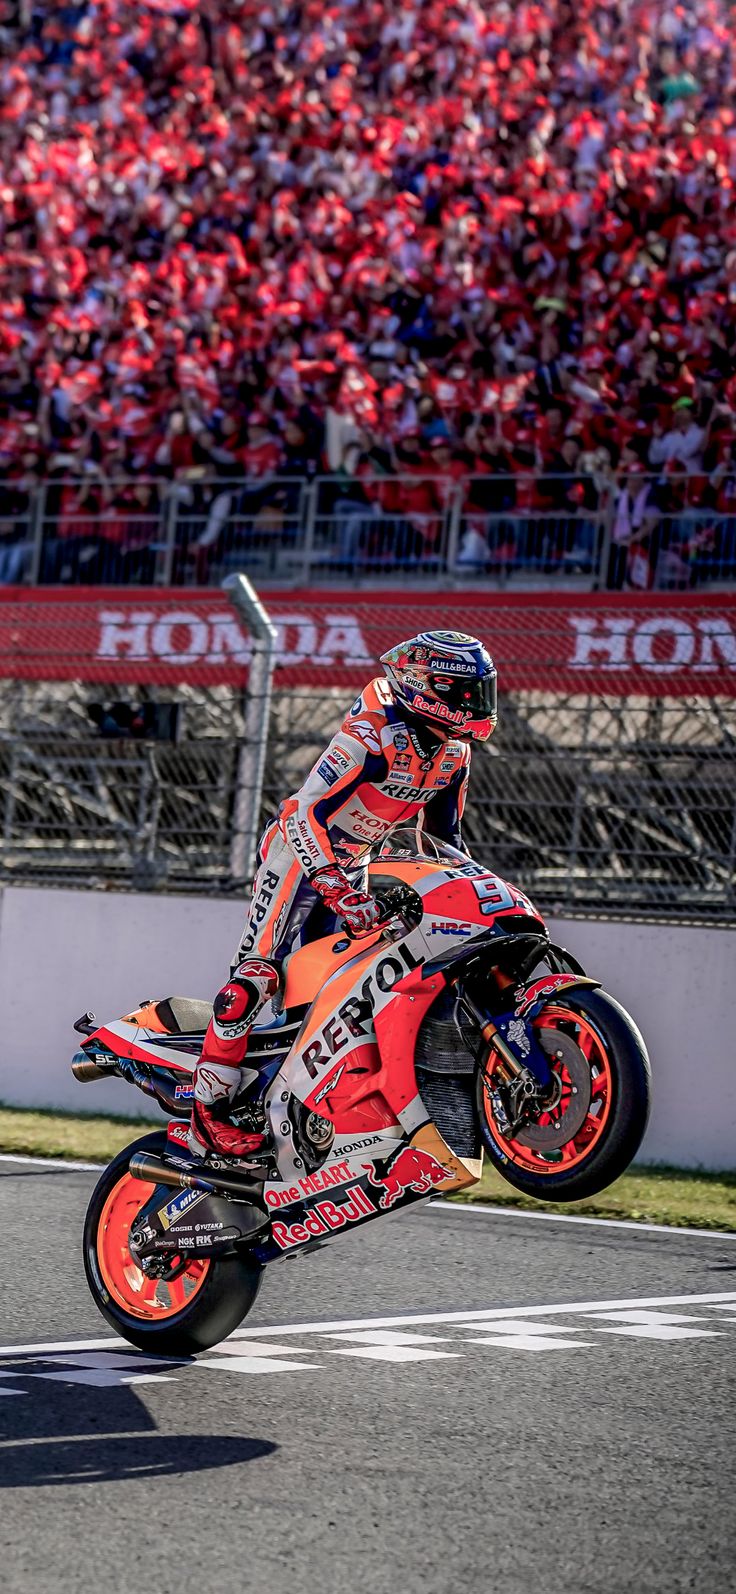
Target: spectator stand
245,244
630,530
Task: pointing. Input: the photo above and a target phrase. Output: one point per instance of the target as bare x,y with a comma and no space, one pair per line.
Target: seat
184,1015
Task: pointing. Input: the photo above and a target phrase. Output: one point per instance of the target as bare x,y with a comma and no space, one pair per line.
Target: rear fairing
127,1038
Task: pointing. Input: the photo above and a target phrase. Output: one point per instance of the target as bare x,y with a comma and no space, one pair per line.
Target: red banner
664,644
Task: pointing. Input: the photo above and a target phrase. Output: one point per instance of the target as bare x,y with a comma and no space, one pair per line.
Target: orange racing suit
375,773
378,771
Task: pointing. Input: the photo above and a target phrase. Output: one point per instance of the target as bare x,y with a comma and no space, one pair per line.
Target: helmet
448,681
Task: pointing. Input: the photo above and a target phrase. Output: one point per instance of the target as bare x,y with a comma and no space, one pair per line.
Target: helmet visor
476,698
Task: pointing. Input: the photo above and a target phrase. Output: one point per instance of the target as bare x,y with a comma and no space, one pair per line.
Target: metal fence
597,795
665,533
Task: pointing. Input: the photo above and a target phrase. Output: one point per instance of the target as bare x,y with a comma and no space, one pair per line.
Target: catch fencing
640,532
609,786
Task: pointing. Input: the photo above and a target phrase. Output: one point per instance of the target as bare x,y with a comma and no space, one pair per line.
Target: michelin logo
180,1204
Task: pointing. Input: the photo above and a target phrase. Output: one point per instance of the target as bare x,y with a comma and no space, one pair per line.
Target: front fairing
349,1078
463,902
352,1062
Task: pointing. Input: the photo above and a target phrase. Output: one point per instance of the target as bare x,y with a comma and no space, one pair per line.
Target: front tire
196,1310
600,1058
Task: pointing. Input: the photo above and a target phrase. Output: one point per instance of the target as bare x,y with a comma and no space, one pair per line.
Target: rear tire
224,1293
628,1110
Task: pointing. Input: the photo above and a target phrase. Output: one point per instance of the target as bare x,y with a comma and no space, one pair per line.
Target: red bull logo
526,997
324,1218
410,1169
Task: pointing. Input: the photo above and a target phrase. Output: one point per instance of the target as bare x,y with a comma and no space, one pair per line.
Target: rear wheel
200,1305
596,1119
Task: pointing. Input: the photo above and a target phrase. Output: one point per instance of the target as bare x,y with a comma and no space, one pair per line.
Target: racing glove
358,911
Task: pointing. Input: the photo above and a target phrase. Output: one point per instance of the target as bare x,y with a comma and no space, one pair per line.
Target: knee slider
236,1005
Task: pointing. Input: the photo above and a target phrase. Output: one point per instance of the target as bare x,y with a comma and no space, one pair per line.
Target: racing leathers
380,769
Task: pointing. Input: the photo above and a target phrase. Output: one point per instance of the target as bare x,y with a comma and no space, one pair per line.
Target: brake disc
564,1052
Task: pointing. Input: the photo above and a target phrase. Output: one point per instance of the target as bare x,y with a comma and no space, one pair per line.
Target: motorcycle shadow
114,1458
53,1434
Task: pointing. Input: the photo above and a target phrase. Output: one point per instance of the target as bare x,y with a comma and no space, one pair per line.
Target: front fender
529,999
512,1033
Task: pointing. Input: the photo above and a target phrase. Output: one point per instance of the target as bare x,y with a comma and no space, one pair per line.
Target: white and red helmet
448,680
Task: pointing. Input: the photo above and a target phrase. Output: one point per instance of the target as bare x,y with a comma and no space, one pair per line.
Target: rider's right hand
359,912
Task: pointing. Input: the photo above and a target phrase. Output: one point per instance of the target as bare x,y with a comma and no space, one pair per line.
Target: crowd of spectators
244,241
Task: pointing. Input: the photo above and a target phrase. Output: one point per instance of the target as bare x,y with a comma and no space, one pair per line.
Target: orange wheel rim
151,1300
571,1153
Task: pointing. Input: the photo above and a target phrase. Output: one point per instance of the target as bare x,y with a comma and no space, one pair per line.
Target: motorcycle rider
402,751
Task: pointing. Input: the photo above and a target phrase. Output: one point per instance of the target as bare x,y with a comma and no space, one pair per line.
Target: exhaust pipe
143,1165
151,1080
85,1070
156,1170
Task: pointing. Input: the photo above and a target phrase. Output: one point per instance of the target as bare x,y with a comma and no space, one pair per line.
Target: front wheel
201,1305
596,1120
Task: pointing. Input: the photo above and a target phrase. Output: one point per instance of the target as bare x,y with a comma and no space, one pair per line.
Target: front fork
521,1065
510,1036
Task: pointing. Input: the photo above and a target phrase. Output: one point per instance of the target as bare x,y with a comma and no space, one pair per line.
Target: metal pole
168,520
453,528
256,714
307,521
601,578
38,516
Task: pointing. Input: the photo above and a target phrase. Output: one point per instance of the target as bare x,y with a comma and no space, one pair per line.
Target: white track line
489,1313
473,1318
566,1217
51,1162
64,1345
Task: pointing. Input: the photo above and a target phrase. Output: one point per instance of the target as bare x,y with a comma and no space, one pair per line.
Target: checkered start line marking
437,1336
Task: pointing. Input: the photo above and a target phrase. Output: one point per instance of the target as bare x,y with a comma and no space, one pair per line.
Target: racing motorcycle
393,1062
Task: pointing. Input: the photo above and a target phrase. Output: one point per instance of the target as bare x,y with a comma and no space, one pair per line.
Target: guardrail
133,735
501,530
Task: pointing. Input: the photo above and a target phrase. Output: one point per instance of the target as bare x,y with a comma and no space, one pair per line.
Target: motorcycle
394,1061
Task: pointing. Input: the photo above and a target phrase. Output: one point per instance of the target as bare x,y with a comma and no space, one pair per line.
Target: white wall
63,951
679,985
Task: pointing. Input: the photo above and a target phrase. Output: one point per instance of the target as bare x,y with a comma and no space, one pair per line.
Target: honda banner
614,644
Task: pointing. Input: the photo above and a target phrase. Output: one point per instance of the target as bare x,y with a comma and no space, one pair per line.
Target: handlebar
400,903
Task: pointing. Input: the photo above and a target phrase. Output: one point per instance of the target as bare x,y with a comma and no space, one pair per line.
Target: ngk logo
199,636
659,642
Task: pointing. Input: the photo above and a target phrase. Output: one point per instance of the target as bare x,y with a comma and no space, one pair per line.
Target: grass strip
652,1195
673,1196
78,1137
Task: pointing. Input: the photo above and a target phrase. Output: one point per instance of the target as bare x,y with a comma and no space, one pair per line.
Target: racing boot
218,1074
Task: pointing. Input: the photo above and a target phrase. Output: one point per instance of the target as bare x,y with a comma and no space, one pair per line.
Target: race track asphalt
574,1436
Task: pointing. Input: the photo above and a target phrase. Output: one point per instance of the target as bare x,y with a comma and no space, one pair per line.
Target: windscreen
408,842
